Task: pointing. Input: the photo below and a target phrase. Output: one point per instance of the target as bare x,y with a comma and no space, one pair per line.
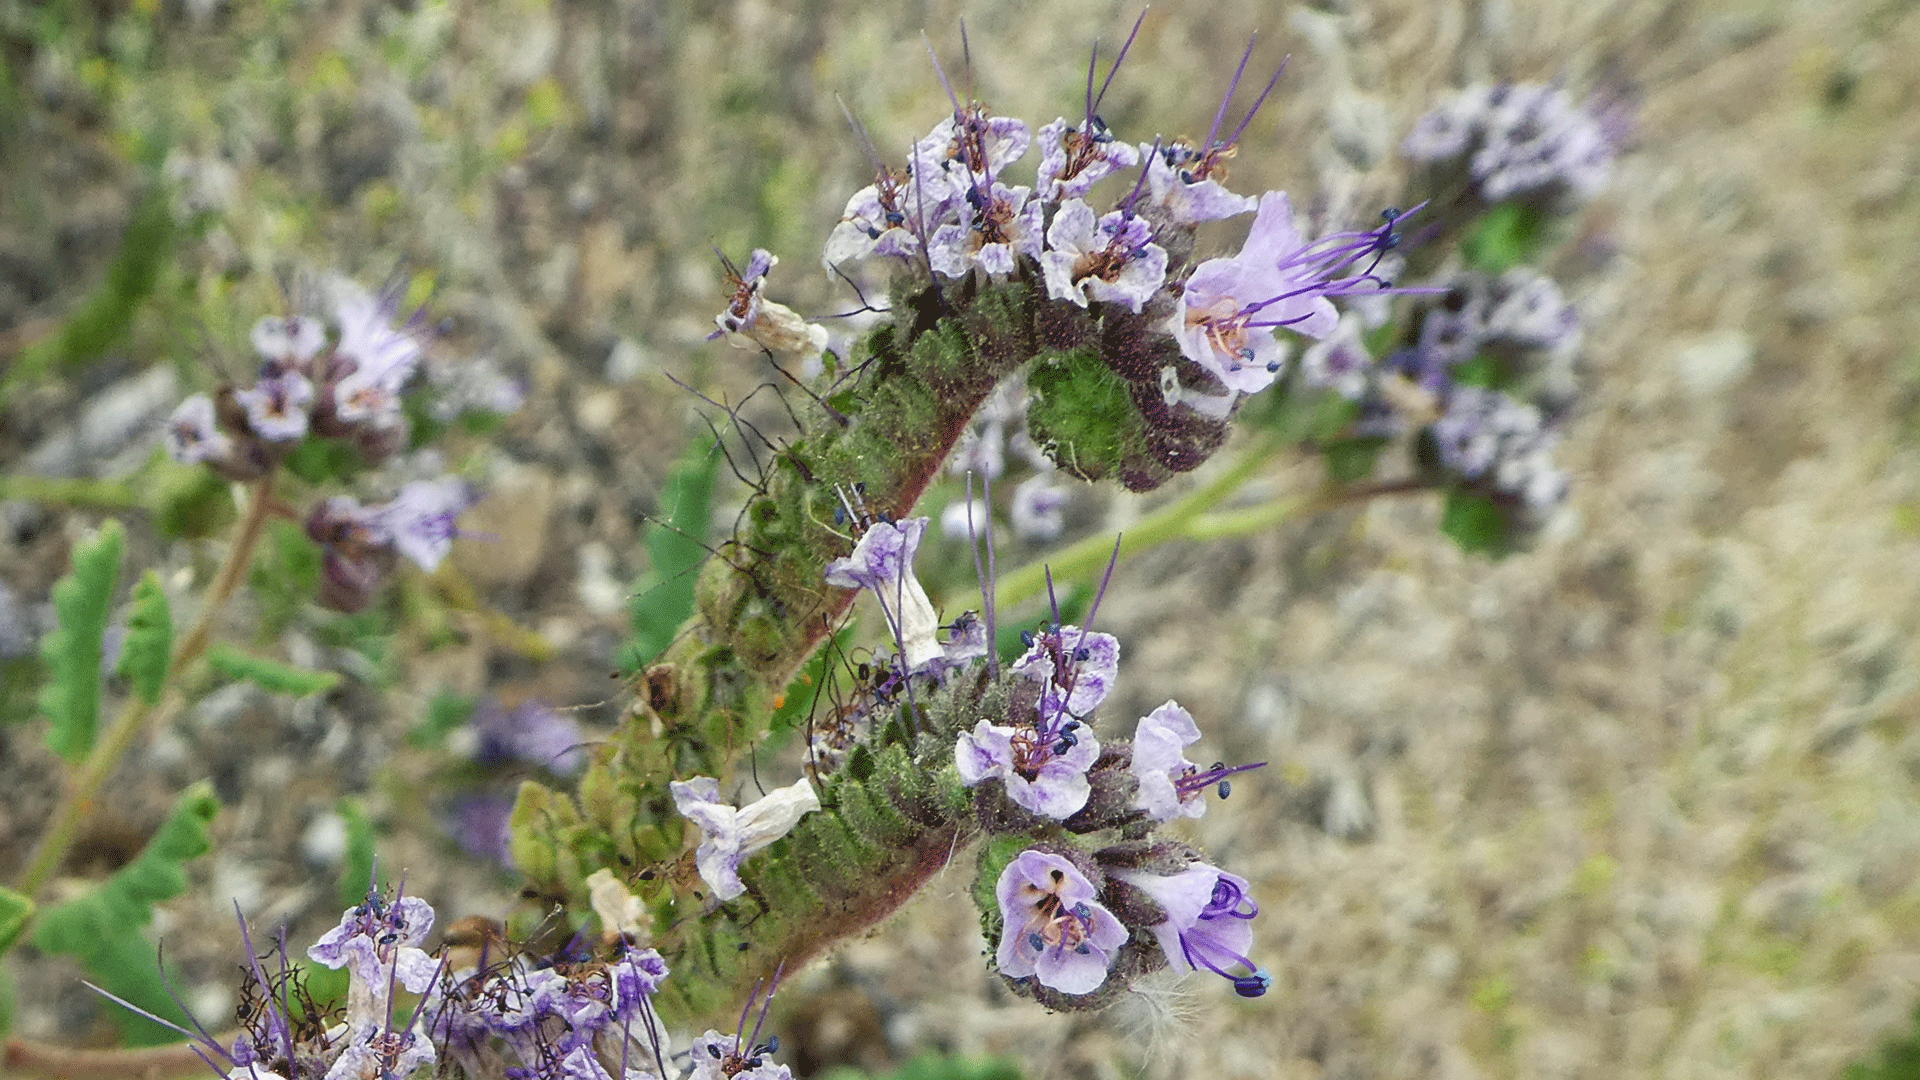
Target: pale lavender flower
729,835
1054,928
723,1057
1178,183
752,321
1109,259
277,407
375,1053
1520,139
356,551
379,944
1074,159
193,433
379,354
973,147
883,562
531,733
1004,226
1230,307
1045,772
1208,923
965,519
293,339
1076,669
1170,786
1039,508
1339,361
420,519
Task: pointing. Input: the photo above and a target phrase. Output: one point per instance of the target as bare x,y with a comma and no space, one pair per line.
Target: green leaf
81,601
8,996
268,674
319,461
103,928
445,712
285,575
103,318
1352,460
1505,236
149,644
188,501
15,910
664,597
356,870
1476,523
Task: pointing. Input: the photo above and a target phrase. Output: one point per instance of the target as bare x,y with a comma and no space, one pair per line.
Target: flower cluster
1188,338
1521,140
1039,770
348,388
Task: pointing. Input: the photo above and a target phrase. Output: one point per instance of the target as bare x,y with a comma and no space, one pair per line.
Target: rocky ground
1641,802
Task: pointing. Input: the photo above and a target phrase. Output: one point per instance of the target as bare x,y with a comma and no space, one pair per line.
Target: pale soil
1641,802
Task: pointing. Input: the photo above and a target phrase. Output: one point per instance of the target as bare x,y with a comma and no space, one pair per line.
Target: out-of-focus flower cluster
1522,140
350,385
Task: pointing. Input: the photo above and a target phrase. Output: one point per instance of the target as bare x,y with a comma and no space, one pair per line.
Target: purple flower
1003,226
193,433
419,520
1227,314
1045,773
972,147
883,562
1039,509
1518,139
1158,759
722,1057
277,406
1339,361
1110,259
1486,435
374,1053
380,355
1072,160
1208,923
356,552
531,733
294,339
728,836
1180,184
1076,669
1053,927
379,944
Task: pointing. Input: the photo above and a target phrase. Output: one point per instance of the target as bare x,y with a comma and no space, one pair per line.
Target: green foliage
285,574
1084,409
445,712
8,995
102,320
1899,1059
676,547
1477,523
15,911
932,1066
149,643
102,928
189,501
1350,461
270,675
322,461
356,870
82,601
1504,237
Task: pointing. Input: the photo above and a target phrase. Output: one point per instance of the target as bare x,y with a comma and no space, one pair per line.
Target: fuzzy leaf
664,598
82,601
15,910
102,928
149,643
270,675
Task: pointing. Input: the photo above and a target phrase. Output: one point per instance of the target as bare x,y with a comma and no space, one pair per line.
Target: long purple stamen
1196,782
1232,87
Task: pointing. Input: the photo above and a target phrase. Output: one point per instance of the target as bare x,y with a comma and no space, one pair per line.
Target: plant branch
136,716
28,1058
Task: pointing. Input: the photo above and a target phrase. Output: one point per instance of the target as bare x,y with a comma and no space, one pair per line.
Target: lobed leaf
82,601
148,647
270,675
103,928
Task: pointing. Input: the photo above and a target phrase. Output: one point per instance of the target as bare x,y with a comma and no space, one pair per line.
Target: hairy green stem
136,716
